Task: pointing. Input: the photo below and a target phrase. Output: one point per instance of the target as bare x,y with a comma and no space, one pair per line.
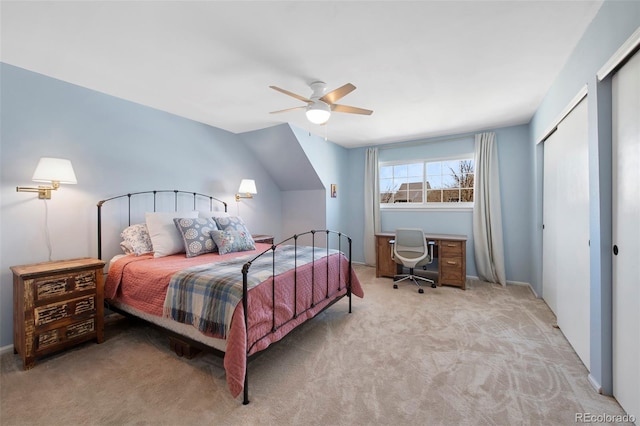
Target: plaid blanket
206,295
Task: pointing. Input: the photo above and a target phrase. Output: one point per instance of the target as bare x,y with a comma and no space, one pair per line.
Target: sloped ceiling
283,157
426,68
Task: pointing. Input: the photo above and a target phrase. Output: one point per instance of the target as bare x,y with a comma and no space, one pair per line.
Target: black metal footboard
333,297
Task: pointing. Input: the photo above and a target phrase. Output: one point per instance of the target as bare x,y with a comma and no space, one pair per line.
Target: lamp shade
247,186
54,170
318,112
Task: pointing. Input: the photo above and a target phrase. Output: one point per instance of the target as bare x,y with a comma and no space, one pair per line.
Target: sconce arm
44,192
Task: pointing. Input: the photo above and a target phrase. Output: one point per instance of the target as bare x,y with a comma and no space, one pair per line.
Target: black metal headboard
198,200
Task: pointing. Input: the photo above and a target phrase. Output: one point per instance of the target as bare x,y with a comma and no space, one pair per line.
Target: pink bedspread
142,281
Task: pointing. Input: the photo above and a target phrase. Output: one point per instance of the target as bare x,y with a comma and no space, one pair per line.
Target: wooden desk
451,255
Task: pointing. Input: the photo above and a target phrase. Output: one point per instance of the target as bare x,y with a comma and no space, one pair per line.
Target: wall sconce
54,171
247,187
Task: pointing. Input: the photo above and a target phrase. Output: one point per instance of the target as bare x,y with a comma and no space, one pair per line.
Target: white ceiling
426,68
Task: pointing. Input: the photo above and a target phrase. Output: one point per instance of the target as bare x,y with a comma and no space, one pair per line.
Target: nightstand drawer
53,337
73,308
60,285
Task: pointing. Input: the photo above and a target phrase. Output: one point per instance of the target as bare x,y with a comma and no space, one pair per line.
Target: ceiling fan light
318,112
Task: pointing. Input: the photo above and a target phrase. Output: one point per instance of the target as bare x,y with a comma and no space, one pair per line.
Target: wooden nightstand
56,305
265,239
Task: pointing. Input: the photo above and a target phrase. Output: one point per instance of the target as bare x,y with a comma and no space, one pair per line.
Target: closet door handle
615,250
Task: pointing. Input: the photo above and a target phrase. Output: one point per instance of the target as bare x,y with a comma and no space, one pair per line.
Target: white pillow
165,237
204,214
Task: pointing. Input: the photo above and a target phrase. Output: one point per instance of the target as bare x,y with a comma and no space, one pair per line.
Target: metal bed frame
245,271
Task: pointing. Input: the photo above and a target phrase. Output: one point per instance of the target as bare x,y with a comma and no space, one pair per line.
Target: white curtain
371,205
487,216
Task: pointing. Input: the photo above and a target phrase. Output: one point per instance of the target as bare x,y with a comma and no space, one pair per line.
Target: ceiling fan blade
338,93
286,92
288,109
350,109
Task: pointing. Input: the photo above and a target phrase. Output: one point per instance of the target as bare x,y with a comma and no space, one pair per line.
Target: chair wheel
420,290
433,286
395,286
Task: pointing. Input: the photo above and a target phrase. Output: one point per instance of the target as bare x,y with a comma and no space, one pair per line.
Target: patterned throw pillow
232,241
136,238
231,223
196,234
126,247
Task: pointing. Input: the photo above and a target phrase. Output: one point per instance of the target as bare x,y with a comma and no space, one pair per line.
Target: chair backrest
410,247
410,239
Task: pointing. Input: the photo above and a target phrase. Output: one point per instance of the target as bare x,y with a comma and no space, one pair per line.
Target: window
427,183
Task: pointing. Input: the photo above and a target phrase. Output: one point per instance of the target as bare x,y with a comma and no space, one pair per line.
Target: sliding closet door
626,235
551,212
566,228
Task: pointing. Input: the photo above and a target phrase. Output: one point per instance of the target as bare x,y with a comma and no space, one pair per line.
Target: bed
199,295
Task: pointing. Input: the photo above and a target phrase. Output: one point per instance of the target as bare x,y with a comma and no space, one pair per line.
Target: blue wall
330,161
515,185
118,147
115,147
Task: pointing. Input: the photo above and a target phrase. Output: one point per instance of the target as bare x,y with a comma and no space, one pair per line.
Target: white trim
437,207
518,283
595,384
522,283
428,206
6,349
582,93
621,54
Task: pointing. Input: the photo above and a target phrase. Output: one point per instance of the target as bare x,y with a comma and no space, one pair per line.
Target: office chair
410,249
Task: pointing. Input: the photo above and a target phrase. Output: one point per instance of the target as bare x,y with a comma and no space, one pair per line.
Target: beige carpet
487,355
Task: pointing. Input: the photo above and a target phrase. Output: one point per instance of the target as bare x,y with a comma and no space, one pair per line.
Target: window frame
424,205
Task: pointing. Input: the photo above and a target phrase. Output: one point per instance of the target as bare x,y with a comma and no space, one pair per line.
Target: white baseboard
595,384
518,283
5,349
526,285
473,277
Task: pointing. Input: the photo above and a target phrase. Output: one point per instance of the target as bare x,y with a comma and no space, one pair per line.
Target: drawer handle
451,262
452,245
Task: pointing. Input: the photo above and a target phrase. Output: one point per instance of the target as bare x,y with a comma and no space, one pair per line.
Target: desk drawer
453,268
450,249
452,271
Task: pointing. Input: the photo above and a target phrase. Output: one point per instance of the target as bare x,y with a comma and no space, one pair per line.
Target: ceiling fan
320,104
